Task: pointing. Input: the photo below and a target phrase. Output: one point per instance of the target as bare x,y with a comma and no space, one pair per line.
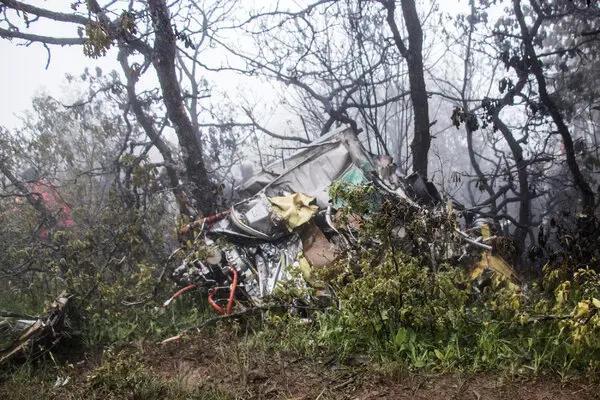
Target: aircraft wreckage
288,221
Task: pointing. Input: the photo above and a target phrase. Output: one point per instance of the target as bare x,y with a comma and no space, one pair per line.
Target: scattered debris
33,335
289,222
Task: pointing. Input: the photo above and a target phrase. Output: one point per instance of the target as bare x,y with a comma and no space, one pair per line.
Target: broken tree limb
49,327
471,241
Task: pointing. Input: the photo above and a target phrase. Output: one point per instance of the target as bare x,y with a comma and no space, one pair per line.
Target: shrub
395,307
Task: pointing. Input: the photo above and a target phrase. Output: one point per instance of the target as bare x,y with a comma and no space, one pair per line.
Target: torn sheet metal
495,264
488,262
265,234
287,218
312,169
309,172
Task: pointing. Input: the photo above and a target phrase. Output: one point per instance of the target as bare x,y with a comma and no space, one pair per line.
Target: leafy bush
116,267
403,313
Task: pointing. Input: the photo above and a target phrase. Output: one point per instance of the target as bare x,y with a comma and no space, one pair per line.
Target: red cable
230,300
179,293
213,303
232,290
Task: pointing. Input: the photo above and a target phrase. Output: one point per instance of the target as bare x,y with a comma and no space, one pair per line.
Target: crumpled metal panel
323,145
39,334
262,248
261,244
309,171
265,264
314,175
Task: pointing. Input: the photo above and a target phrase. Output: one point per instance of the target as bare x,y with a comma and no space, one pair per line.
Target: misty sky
23,73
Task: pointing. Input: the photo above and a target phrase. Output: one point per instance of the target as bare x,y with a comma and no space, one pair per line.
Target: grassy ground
220,365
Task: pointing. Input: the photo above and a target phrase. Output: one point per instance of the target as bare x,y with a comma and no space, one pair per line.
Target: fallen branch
9,314
471,241
49,328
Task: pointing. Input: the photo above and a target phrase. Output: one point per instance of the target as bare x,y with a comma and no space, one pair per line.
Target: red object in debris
47,193
229,308
211,219
232,289
179,293
213,303
203,222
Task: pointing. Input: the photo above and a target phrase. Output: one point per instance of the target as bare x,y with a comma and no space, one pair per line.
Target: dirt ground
219,362
215,363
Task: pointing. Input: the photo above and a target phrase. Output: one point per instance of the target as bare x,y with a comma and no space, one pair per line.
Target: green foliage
359,198
114,260
115,269
99,39
401,314
395,308
427,235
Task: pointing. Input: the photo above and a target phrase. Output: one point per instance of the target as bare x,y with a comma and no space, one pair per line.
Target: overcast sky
23,72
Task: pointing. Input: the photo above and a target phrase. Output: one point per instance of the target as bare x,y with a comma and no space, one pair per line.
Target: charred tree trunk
416,78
